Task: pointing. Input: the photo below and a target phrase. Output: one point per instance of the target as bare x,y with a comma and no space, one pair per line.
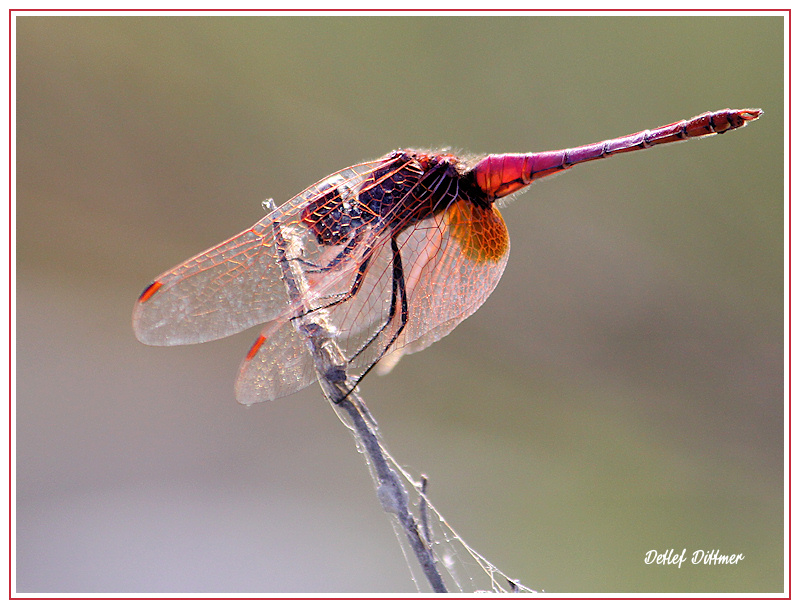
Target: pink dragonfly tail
499,175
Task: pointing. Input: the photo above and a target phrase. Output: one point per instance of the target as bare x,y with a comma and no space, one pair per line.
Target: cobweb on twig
468,570
433,550
463,569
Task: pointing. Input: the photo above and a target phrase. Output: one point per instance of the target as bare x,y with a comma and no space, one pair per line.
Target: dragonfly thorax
408,187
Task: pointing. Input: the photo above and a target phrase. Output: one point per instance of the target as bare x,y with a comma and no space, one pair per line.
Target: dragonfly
397,252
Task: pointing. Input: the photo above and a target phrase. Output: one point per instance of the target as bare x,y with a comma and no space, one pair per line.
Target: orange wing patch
481,232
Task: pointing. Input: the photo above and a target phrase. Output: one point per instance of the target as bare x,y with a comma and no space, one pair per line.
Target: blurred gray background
621,391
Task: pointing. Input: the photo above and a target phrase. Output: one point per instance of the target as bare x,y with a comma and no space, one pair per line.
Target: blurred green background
621,391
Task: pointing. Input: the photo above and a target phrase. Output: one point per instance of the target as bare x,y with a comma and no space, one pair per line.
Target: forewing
237,284
217,293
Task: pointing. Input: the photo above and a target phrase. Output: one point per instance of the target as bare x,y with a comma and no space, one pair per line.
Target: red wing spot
256,346
150,290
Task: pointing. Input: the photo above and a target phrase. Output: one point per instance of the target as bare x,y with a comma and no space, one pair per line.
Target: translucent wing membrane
279,364
218,293
443,285
451,279
445,282
236,284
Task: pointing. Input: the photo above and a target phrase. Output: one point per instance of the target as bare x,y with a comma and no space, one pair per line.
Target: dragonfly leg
345,296
398,288
336,261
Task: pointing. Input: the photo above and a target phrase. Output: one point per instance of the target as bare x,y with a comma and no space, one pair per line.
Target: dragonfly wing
237,284
278,364
451,263
449,277
217,293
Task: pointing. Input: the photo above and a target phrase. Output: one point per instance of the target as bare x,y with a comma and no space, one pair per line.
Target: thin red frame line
790,306
407,10
10,169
